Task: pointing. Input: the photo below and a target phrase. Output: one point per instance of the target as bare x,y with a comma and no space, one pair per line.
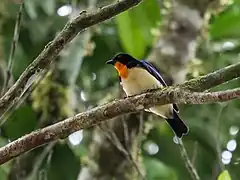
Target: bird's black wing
153,70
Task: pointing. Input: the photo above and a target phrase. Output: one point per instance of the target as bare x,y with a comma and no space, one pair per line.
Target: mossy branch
213,79
174,94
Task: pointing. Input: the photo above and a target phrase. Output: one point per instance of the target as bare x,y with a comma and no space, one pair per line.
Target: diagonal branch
214,79
13,48
116,142
188,163
52,49
205,97
118,107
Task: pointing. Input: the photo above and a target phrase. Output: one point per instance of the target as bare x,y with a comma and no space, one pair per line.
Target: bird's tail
178,126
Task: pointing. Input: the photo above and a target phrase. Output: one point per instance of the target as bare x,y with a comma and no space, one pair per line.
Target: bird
139,76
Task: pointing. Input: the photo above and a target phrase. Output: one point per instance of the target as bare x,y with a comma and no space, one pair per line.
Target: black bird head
122,63
123,59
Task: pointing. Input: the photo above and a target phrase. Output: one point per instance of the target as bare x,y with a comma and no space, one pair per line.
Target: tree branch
27,91
52,49
214,79
188,97
87,119
13,48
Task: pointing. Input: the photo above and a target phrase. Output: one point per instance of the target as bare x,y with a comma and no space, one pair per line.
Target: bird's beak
110,62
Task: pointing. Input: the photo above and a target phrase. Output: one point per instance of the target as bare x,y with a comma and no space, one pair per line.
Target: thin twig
113,138
192,171
195,150
140,133
13,48
102,113
140,130
40,160
115,141
125,130
217,137
127,140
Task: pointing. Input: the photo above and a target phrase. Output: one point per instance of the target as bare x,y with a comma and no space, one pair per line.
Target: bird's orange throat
122,69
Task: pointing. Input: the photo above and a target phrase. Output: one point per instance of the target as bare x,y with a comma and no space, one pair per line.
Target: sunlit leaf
147,16
224,176
130,35
225,25
134,27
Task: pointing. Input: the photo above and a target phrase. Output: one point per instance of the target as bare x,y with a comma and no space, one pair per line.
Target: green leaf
157,170
22,121
149,13
134,27
131,36
64,164
226,25
3,174
4,168
21,61
224,176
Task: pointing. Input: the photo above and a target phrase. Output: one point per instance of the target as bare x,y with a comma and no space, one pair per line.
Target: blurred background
184,39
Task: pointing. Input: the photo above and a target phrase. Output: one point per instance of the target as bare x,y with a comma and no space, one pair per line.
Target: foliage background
80,80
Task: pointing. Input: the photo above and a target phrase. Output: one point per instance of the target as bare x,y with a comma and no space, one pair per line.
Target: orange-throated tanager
138,76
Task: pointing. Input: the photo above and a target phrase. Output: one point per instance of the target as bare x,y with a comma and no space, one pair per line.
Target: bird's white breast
138,81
